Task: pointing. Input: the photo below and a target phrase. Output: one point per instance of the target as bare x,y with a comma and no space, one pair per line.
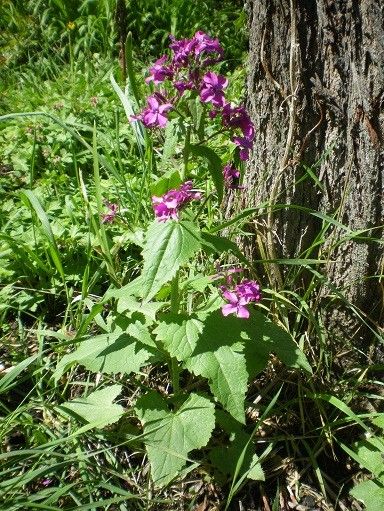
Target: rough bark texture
316,94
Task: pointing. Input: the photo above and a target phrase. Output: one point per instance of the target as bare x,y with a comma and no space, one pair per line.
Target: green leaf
167,182
9,380
171,137
136,325
217,245
371,494
30,199
98,406
170,436
129,111
198,283
369,453
179,335
197,113
130,304
226,457
168,246
215,166
133,288
228,351
267,337
379,421
225,369
109,354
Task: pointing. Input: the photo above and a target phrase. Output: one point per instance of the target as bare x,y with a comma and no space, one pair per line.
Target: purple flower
168,206
188,52
110,216
237,117
244,293
245,145
205,44
47,481
153,115
182,50
231,176
235,306
212,89
250,290
182,85
159,72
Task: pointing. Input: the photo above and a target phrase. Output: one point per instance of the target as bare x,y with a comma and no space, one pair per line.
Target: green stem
175,372
173,363
175,294
186,152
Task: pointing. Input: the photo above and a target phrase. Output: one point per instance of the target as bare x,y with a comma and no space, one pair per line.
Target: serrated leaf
228,351
371,494
215,166
379,421
225,369
369,453
198,283
136,326
108,353
256,472
98,407
179,335
130,304
170,436
197,110
168,246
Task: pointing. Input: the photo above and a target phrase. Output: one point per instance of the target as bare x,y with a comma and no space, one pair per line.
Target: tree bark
316,97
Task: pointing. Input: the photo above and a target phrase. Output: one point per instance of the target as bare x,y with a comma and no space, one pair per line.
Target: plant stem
175,294
186,152
173,364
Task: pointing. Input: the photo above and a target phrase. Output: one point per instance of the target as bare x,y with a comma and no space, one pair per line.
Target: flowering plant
208,329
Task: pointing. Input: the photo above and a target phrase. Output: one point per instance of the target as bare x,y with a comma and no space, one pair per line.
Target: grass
66,149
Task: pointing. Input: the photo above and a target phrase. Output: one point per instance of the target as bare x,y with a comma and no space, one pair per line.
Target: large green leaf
170,436
98,407
179,335
168,246
225,369
110,353
228,351
371,493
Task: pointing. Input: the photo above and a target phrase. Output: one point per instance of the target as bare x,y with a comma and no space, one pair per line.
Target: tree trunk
316,96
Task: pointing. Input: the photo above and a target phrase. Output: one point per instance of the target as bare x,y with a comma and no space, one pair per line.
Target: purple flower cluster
185,68
168,206
244,293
